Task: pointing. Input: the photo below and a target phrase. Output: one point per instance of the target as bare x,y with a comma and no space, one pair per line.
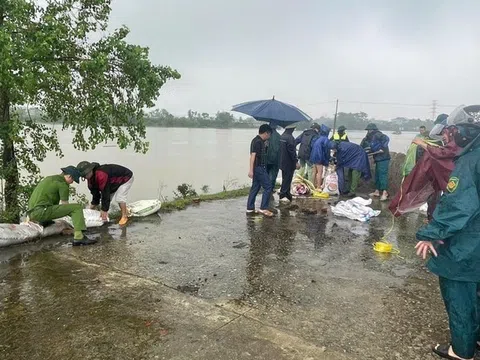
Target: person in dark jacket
273,155
107,182
288,162
306,140
376,144
453,240
258,172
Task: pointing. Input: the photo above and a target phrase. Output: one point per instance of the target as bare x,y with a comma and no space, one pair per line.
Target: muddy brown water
213,157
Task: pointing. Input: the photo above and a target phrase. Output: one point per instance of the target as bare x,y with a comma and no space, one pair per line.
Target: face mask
465,134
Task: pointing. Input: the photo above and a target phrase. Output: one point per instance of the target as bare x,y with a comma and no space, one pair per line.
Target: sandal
266,213
442,351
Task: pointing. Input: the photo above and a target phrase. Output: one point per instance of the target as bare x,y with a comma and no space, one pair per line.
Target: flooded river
213,157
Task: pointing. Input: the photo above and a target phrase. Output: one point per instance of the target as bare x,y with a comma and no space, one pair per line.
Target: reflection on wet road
305,274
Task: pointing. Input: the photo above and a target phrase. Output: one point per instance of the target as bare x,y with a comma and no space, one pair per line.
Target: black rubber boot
84,241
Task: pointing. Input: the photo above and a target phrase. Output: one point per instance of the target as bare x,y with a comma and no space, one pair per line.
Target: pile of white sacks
11,234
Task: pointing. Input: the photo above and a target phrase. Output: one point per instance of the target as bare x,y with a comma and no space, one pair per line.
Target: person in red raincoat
429,177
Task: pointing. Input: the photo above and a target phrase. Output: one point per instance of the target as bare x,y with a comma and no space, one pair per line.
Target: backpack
273,149
306,145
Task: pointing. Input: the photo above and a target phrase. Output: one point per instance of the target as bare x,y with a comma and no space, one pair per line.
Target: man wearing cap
376,144
106,183
306,140
49,201
453,240
340,135
288,162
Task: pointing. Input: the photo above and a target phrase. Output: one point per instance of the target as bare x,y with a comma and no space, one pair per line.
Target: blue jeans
260,180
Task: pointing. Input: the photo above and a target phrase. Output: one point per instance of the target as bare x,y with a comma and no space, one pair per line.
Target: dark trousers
260,180
287,176
463,309
272,170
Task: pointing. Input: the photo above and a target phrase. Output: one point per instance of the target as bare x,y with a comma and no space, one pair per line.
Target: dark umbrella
273,111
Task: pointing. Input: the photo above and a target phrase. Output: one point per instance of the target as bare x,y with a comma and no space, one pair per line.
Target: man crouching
49,201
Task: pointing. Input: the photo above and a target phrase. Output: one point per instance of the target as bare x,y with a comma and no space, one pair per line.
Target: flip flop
266,213
442,351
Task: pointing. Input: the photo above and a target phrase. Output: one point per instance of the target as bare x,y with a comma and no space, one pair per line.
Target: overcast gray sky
308,52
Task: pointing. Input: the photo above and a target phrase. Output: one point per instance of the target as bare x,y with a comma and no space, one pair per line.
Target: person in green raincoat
453,239
273,155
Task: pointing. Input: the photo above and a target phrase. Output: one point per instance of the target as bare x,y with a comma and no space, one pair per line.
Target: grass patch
180,204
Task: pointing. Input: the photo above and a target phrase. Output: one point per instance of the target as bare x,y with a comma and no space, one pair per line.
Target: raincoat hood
324,130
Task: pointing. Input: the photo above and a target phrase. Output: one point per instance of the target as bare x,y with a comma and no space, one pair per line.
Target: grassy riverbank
180,204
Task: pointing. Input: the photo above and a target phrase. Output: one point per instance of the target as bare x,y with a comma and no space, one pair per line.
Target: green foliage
222,120
75,197
185,191
96,88
205,189
181,203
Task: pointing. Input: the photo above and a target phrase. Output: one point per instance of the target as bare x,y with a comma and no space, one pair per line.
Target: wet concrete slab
210,282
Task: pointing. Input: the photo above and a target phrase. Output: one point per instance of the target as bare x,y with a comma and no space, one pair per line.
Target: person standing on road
258,172
453,239
340,135
106,183
49,201
273,155
320,155
376,143
288,162
306,140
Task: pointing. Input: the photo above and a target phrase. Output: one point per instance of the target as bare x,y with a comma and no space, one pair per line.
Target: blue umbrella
273,111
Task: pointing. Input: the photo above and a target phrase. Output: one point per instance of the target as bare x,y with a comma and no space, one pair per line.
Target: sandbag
143,208
92,218
355,209
11,234
330,183
17,233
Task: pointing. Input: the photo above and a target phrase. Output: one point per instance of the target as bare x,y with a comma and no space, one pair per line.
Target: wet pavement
212,283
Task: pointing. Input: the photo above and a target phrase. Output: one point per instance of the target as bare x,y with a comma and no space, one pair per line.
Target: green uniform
43,204
306,169
456,221
354,178
381,174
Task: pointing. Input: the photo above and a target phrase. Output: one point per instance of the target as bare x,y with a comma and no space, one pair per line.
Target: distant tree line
225,120
221,120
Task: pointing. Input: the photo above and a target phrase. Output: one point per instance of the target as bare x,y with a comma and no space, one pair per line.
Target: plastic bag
410,159
330,184
355,209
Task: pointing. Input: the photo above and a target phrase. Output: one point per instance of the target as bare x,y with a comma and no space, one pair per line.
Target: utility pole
335,118
434,109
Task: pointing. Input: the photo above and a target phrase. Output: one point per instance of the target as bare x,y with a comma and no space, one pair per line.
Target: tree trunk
9,164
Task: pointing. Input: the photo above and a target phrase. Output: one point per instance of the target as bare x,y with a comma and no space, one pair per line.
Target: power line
381,103
434,109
